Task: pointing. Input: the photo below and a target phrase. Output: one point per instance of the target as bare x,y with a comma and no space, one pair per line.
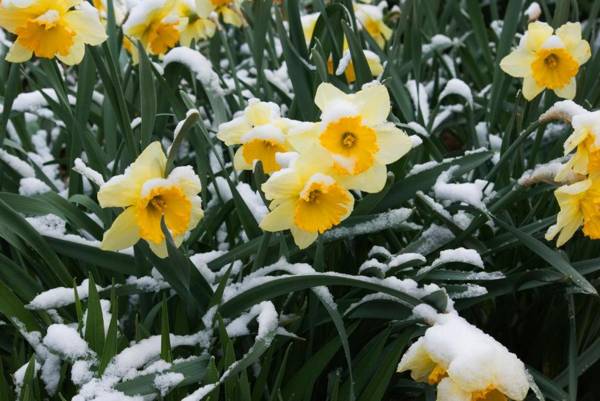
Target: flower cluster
548,60
465,363
314,165
579,201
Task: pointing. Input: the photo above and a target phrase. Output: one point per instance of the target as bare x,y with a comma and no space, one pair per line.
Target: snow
19,166
533,12
417,128
388,220
265,315
89,173
545,172
30,186
459,255
65,341
438,42
563,110
553,42
33,101
471,291
166,382
253,200
469,193
418,94
197,63
59,297
458,87
433,238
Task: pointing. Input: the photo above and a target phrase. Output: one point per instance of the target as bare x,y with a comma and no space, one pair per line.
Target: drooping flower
579,206
355,131
51,28
371,20
229,10
148,196
346,67
547,60
465,363
156,24
197,27
261,132
306,198
586,140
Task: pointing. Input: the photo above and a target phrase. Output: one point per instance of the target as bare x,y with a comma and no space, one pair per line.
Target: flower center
436,375
162,36
220,3
490,394
349,138
168,202
46,35
554,68
265,151
321,207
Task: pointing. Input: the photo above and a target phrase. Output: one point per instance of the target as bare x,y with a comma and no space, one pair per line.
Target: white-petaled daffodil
229,10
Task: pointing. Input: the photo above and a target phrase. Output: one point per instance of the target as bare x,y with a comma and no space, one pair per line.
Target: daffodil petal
371,181
75,54
197,212
517,63
159,250
280,218
123,233
282,184
530,88
86,22
393,143
568,91
304,136
447,390
119,191
374,104
327,93
537,33
303,239
151,163
18,54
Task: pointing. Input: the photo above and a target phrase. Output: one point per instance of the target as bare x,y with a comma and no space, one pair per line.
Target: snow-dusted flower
147,196
548,60
155,23
346,67
371,20
119,8
309,22
306,198
579,206
229,10
261,131
465,363
197,27
586,140
354,130
51,28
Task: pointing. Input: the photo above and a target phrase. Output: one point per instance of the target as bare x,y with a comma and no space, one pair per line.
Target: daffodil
148,197
548,60
118,8
261,132
309,22
229,10
306,198
465,363
51,28
586,140
579,206
196,27
346,67
371,20
355,132
155,23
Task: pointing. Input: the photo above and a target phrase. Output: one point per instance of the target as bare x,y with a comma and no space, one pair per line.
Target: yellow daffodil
306,198
579,206
371,20
309,22
119,9
197,27
465,363
586,139
51,28
147,197
261,131
229,10
155,23
346,66
548,60
355,132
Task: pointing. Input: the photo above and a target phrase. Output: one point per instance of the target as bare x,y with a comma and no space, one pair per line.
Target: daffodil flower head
585,139
355,132
346,67
118,7
156,24
371,20
229,10
309,23
548,60
148,197
306,198
197,27
51,28
579,206
465,363
261,132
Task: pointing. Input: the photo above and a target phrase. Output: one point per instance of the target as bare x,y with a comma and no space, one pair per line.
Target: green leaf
94,324
147,96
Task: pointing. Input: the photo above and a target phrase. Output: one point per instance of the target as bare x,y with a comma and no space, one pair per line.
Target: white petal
517,63
447,390
303,239
282,184
393,143
374,103
327,93
537,33
279,219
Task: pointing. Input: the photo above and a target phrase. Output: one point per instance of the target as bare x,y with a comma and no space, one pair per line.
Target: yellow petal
75,54
160,249
530,88
204,8
374,103
282,184
261,113
304,136
570,34
371,181
123,233
417,360
197,212
568,91
151,163
119,191
18,54
517,63
393,143
231,132
280,218
303,239
12,17
186,179
239,161
447,390
86,23
327,93
537,33
231,17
